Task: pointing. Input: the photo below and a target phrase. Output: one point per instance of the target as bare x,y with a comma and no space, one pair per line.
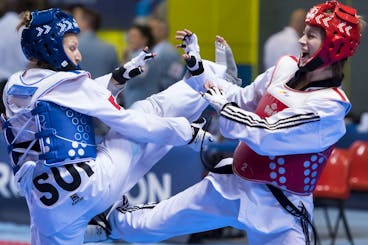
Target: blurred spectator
164,70
12,57
168,67
99,57
285,42
138,37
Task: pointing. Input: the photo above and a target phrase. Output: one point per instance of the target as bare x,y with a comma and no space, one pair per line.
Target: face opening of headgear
42,39
340,24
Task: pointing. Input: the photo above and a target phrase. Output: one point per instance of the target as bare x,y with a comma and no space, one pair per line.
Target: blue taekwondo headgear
42,39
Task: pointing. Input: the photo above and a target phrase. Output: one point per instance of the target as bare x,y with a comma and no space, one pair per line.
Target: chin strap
312,65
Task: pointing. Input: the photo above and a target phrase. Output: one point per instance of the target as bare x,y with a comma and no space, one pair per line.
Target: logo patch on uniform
270,109
76,199
284,93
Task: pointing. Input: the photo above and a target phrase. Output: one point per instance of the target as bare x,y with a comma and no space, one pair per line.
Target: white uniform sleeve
88,97
249,96
310,128
246,98
114,87
104,80
183,97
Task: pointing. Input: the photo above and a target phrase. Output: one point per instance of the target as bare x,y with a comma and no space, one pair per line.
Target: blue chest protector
65,135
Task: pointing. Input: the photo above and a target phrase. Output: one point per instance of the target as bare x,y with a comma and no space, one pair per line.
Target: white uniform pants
216,201
118,167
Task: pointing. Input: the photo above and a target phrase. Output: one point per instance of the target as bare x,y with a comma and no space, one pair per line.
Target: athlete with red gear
287,122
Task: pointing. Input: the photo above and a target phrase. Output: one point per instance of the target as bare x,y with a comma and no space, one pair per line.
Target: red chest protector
296,173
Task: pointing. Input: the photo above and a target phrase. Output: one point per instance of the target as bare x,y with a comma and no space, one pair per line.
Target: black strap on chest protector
300,214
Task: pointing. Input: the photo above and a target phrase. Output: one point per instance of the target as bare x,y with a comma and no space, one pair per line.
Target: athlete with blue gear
65,177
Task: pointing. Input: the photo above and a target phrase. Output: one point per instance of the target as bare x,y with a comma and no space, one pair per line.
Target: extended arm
311,127
115,81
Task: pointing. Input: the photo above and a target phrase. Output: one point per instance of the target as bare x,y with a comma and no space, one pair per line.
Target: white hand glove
224,56
132,68
220,56
190,43
215,97
200,138
191,47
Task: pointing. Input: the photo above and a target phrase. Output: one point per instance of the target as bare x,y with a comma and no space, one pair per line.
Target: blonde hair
362,23
25,19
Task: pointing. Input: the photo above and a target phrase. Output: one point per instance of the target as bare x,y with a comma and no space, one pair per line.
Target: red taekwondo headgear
342,33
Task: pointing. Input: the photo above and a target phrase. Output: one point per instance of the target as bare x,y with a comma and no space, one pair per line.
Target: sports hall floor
11,234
